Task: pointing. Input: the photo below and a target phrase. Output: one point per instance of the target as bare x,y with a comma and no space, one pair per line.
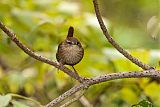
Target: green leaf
18,104
143,103
4,100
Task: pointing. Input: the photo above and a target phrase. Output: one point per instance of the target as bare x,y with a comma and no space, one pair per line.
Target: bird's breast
73,54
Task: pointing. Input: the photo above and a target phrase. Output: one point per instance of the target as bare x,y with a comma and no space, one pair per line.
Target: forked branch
86,83
103,78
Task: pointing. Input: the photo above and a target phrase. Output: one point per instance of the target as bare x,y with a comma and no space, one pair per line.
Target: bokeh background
43,24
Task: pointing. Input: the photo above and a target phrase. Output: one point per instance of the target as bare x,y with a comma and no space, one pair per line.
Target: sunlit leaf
18,104
4,100
153,27
151,90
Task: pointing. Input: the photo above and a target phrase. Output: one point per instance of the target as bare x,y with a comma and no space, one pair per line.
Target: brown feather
70,32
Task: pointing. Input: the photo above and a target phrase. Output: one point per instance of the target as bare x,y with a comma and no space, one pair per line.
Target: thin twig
66,95
85,102
111,41
36,56
73,100
26,98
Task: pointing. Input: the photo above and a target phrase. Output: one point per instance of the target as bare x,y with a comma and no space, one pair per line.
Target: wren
70,51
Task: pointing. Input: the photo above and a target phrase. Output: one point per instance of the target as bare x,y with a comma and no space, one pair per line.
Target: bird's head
70,40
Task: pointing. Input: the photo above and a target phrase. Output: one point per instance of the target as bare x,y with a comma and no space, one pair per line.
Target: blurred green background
43,24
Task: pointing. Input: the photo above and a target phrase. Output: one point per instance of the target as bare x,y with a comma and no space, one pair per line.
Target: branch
120,75
84,101
111,41
73,100
66,95
48,61
36,56
85,83
103,78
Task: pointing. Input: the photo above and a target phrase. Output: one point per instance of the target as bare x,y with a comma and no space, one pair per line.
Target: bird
70,51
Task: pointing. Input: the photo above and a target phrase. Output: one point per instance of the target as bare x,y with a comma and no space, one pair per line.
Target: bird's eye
69,42
77,43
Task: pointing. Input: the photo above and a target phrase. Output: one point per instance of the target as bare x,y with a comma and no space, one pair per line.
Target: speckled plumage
70,51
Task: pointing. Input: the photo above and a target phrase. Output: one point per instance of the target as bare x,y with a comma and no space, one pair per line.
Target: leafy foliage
43,24
143,103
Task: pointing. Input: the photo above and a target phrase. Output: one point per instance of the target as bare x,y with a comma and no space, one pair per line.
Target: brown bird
70,51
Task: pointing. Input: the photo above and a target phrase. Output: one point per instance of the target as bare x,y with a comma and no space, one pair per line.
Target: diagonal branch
36,56
103,78
74,99
151,73
111,41
65,95
85,83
